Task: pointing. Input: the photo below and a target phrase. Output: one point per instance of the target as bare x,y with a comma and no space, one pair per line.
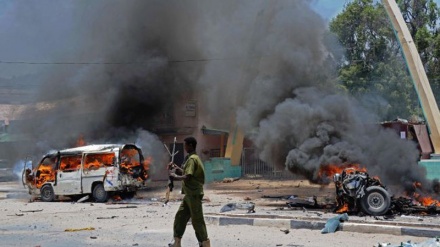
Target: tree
373,67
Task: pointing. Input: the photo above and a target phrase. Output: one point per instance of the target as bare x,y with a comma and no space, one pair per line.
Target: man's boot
206,243
175,243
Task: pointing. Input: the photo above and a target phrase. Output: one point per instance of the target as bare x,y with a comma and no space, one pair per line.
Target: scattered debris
332,224
317,214
309,202
111,217
383,244
230,180
31,211
79,229
15,214
249,206
124,207
285,197
412,217
433,242
125,203
83,199
286,231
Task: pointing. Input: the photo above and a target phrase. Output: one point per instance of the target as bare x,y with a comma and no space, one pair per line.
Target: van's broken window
96,161
70,163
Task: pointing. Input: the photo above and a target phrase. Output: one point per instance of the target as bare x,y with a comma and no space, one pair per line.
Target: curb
318,225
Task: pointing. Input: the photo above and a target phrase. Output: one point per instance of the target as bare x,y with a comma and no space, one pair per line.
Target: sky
328,8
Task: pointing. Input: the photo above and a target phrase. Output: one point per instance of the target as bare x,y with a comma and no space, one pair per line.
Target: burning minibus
96,170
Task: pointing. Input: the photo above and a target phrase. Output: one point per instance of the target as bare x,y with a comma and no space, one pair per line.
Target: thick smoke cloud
264,63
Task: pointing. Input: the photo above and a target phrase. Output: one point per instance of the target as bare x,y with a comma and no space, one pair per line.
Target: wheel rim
376,200
100,193
47,193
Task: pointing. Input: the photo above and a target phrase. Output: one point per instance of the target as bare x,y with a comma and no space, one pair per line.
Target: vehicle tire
47,194
376,201
99,193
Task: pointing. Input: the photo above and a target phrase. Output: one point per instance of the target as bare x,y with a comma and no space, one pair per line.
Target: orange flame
331,169
96,161
70,163
417,185
129,160
343,209
147,162
47,174
424,200
80,141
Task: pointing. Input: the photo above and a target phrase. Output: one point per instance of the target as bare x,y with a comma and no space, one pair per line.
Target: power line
114,63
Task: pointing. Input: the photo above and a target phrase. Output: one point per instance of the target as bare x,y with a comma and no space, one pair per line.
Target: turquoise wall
216,169
432,168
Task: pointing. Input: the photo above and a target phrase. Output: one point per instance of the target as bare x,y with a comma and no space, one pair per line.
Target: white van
97,170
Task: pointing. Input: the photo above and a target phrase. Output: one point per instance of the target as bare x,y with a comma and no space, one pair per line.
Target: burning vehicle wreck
356,191
96,170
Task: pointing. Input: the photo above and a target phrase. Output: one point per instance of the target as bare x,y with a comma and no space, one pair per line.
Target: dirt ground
262,192
255,189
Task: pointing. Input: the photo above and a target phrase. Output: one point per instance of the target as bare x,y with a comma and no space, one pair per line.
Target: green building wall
216,169
432,168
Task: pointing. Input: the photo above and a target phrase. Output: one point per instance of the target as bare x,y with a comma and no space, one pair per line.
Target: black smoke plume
115,67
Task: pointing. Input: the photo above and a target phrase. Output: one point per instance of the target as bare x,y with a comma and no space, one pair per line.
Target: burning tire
99,193
47,194
376,201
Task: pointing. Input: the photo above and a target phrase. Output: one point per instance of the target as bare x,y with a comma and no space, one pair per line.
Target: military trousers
191,208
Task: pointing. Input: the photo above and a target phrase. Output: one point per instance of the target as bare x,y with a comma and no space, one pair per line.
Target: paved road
146,222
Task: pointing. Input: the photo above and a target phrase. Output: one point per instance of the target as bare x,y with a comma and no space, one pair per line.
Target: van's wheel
47,194
376,201
99,193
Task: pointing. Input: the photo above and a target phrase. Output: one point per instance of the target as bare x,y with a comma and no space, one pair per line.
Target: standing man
193,179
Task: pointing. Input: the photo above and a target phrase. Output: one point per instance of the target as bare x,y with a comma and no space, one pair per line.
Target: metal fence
253,167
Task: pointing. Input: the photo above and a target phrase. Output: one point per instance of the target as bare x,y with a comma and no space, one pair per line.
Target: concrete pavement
427,226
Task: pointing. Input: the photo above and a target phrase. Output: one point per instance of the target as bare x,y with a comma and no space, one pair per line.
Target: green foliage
372,67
